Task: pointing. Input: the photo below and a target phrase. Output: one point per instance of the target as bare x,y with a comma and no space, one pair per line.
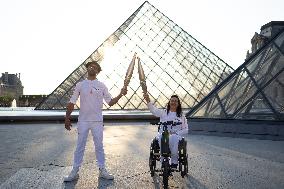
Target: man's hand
68,124
115,100
70,108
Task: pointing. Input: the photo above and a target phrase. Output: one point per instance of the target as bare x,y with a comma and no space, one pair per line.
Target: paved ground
39,155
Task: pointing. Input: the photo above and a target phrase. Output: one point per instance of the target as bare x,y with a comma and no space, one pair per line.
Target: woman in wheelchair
172,113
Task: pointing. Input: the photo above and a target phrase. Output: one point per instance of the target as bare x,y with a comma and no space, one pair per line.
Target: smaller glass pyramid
254,91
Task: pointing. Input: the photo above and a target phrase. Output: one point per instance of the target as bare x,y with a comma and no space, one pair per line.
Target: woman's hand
146,97
123,91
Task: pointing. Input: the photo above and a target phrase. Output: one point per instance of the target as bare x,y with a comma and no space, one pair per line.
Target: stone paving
39,155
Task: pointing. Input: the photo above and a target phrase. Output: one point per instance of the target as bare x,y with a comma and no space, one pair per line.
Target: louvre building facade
173,61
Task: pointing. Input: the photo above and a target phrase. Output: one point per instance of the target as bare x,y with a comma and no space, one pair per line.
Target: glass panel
257,109
225,90
201,111
45,106
214,110
264,74
280,41
279,65
214,78
255,62
202,77
188,100
129,104
275,93
241,95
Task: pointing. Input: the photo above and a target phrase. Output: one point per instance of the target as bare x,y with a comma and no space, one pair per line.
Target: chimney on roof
6,78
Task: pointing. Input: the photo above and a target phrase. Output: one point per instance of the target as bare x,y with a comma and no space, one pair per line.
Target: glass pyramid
173,61
254,91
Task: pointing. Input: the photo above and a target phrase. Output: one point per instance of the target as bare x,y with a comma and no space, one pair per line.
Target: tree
6,100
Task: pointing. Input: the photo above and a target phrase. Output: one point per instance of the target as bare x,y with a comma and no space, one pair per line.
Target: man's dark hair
94,62
179,110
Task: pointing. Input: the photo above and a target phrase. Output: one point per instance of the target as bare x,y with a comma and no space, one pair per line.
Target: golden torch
129,71
142,77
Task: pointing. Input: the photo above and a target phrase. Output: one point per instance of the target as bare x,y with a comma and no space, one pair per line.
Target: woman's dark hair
179,110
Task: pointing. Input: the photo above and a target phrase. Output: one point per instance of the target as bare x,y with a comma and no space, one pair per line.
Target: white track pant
97,133
173,144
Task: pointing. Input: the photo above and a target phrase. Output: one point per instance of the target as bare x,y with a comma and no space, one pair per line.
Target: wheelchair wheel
152,164
166,174
152,159
183,158
156,149
184,167
182,148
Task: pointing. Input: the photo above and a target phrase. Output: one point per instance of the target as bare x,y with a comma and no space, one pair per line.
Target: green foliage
6,100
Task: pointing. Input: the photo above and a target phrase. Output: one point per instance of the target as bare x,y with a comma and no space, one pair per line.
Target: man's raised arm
115,100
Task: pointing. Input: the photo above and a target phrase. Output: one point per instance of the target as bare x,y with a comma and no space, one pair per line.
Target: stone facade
11,85
267,31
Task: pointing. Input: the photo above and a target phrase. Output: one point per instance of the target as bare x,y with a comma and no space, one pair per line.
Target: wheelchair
156,152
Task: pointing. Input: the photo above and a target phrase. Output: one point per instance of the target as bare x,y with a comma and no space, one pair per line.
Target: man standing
91,92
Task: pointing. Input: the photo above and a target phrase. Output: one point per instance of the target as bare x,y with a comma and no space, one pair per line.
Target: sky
45,40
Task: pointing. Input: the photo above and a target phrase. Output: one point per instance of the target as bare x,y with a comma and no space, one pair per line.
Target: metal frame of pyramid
173,61
255,91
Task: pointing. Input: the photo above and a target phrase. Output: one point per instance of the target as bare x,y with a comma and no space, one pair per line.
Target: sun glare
110,66
110,60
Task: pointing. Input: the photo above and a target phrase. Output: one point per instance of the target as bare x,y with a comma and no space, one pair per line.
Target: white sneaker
104,174
72,176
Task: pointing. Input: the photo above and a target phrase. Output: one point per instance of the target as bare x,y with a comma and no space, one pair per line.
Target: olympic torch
129,71
142,77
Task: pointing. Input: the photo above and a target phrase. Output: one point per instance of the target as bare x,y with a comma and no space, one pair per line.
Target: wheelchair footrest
169,174
172,170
